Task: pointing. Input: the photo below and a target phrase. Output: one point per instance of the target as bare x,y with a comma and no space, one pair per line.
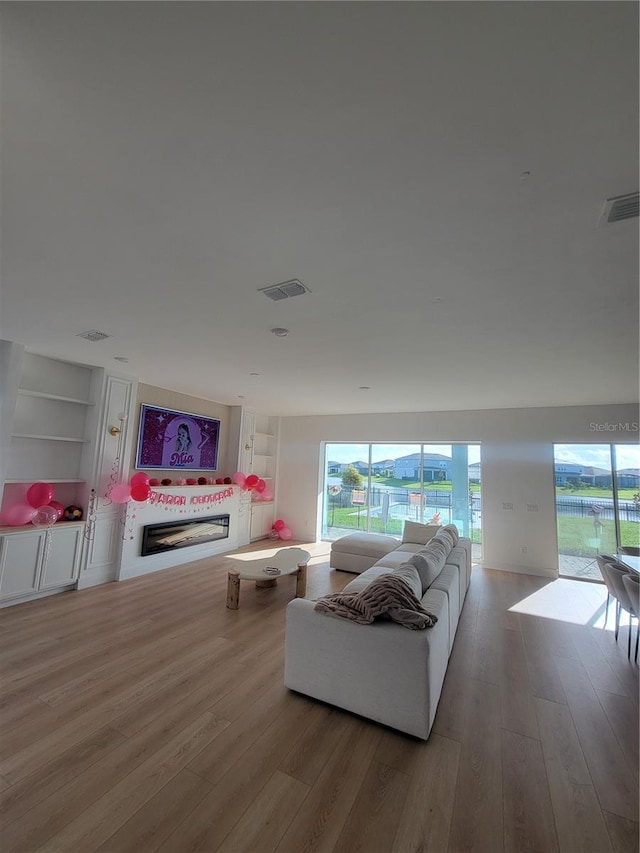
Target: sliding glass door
597,504
376,487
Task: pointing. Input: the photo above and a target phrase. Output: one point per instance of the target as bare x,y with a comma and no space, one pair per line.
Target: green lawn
576,536
596,492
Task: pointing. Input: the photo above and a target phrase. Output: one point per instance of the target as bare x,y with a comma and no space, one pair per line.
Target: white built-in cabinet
255,436
70,425
39,560
264,456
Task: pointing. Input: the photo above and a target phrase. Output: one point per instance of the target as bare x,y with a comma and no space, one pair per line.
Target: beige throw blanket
387,595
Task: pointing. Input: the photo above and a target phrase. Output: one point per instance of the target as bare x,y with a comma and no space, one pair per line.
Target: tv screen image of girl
183,443
173,439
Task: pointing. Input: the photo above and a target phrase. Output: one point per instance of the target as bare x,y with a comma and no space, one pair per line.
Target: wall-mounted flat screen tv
170,439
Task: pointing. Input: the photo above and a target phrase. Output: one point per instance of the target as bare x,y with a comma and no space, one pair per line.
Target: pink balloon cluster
254,484
137,489
281,530
39,509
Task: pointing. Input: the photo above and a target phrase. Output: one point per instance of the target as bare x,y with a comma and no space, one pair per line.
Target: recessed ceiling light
524,175
364,387
280,333
121,358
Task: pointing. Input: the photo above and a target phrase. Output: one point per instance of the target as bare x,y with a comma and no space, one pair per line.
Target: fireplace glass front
172,535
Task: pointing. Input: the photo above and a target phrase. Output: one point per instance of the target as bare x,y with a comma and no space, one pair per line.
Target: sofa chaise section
383,671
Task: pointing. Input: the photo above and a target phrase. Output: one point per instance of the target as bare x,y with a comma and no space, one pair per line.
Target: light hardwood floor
146,716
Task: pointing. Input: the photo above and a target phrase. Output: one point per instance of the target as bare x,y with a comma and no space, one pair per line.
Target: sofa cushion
398,556
410,576
446,537
362,581
429,562
451,528
419,533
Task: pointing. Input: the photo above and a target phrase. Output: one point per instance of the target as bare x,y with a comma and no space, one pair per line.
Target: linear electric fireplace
172,535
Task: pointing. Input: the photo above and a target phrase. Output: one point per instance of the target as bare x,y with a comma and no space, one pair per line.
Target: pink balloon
278,524
267,495
260,486
239,478
285,533
58,507
39,494
18,514
139,479
252,481
121,493
140,492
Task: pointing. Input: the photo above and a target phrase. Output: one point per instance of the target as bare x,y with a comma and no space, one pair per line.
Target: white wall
517,467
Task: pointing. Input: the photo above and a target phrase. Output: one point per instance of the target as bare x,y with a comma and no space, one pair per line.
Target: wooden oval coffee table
289,561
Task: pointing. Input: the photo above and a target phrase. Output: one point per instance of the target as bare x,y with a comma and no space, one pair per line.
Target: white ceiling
162,162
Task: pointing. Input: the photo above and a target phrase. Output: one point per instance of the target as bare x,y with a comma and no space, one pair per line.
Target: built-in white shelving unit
264,456
49,422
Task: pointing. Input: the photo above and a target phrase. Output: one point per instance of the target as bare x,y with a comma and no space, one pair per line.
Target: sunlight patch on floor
570,601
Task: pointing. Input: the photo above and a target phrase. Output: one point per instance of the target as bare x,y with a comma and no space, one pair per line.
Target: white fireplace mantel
175,503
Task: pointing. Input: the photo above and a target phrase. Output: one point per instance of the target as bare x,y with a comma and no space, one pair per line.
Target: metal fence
588,508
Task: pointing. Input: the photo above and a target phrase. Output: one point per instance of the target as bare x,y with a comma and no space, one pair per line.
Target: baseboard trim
522,570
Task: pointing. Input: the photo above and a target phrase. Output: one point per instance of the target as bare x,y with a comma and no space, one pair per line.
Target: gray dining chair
602,559
615,575
632,585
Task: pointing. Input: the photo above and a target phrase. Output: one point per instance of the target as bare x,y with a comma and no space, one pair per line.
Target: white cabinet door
20,560
261,520
61,557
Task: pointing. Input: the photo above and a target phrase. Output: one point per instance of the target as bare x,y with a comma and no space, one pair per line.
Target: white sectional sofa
383,671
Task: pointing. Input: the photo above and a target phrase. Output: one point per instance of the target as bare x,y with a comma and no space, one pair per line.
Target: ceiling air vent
619,208
284,290
93,335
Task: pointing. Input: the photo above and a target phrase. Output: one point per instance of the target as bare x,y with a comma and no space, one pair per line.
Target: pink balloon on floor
19,514
285,533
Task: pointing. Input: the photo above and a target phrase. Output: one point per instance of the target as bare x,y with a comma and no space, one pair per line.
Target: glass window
376,487
597,504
